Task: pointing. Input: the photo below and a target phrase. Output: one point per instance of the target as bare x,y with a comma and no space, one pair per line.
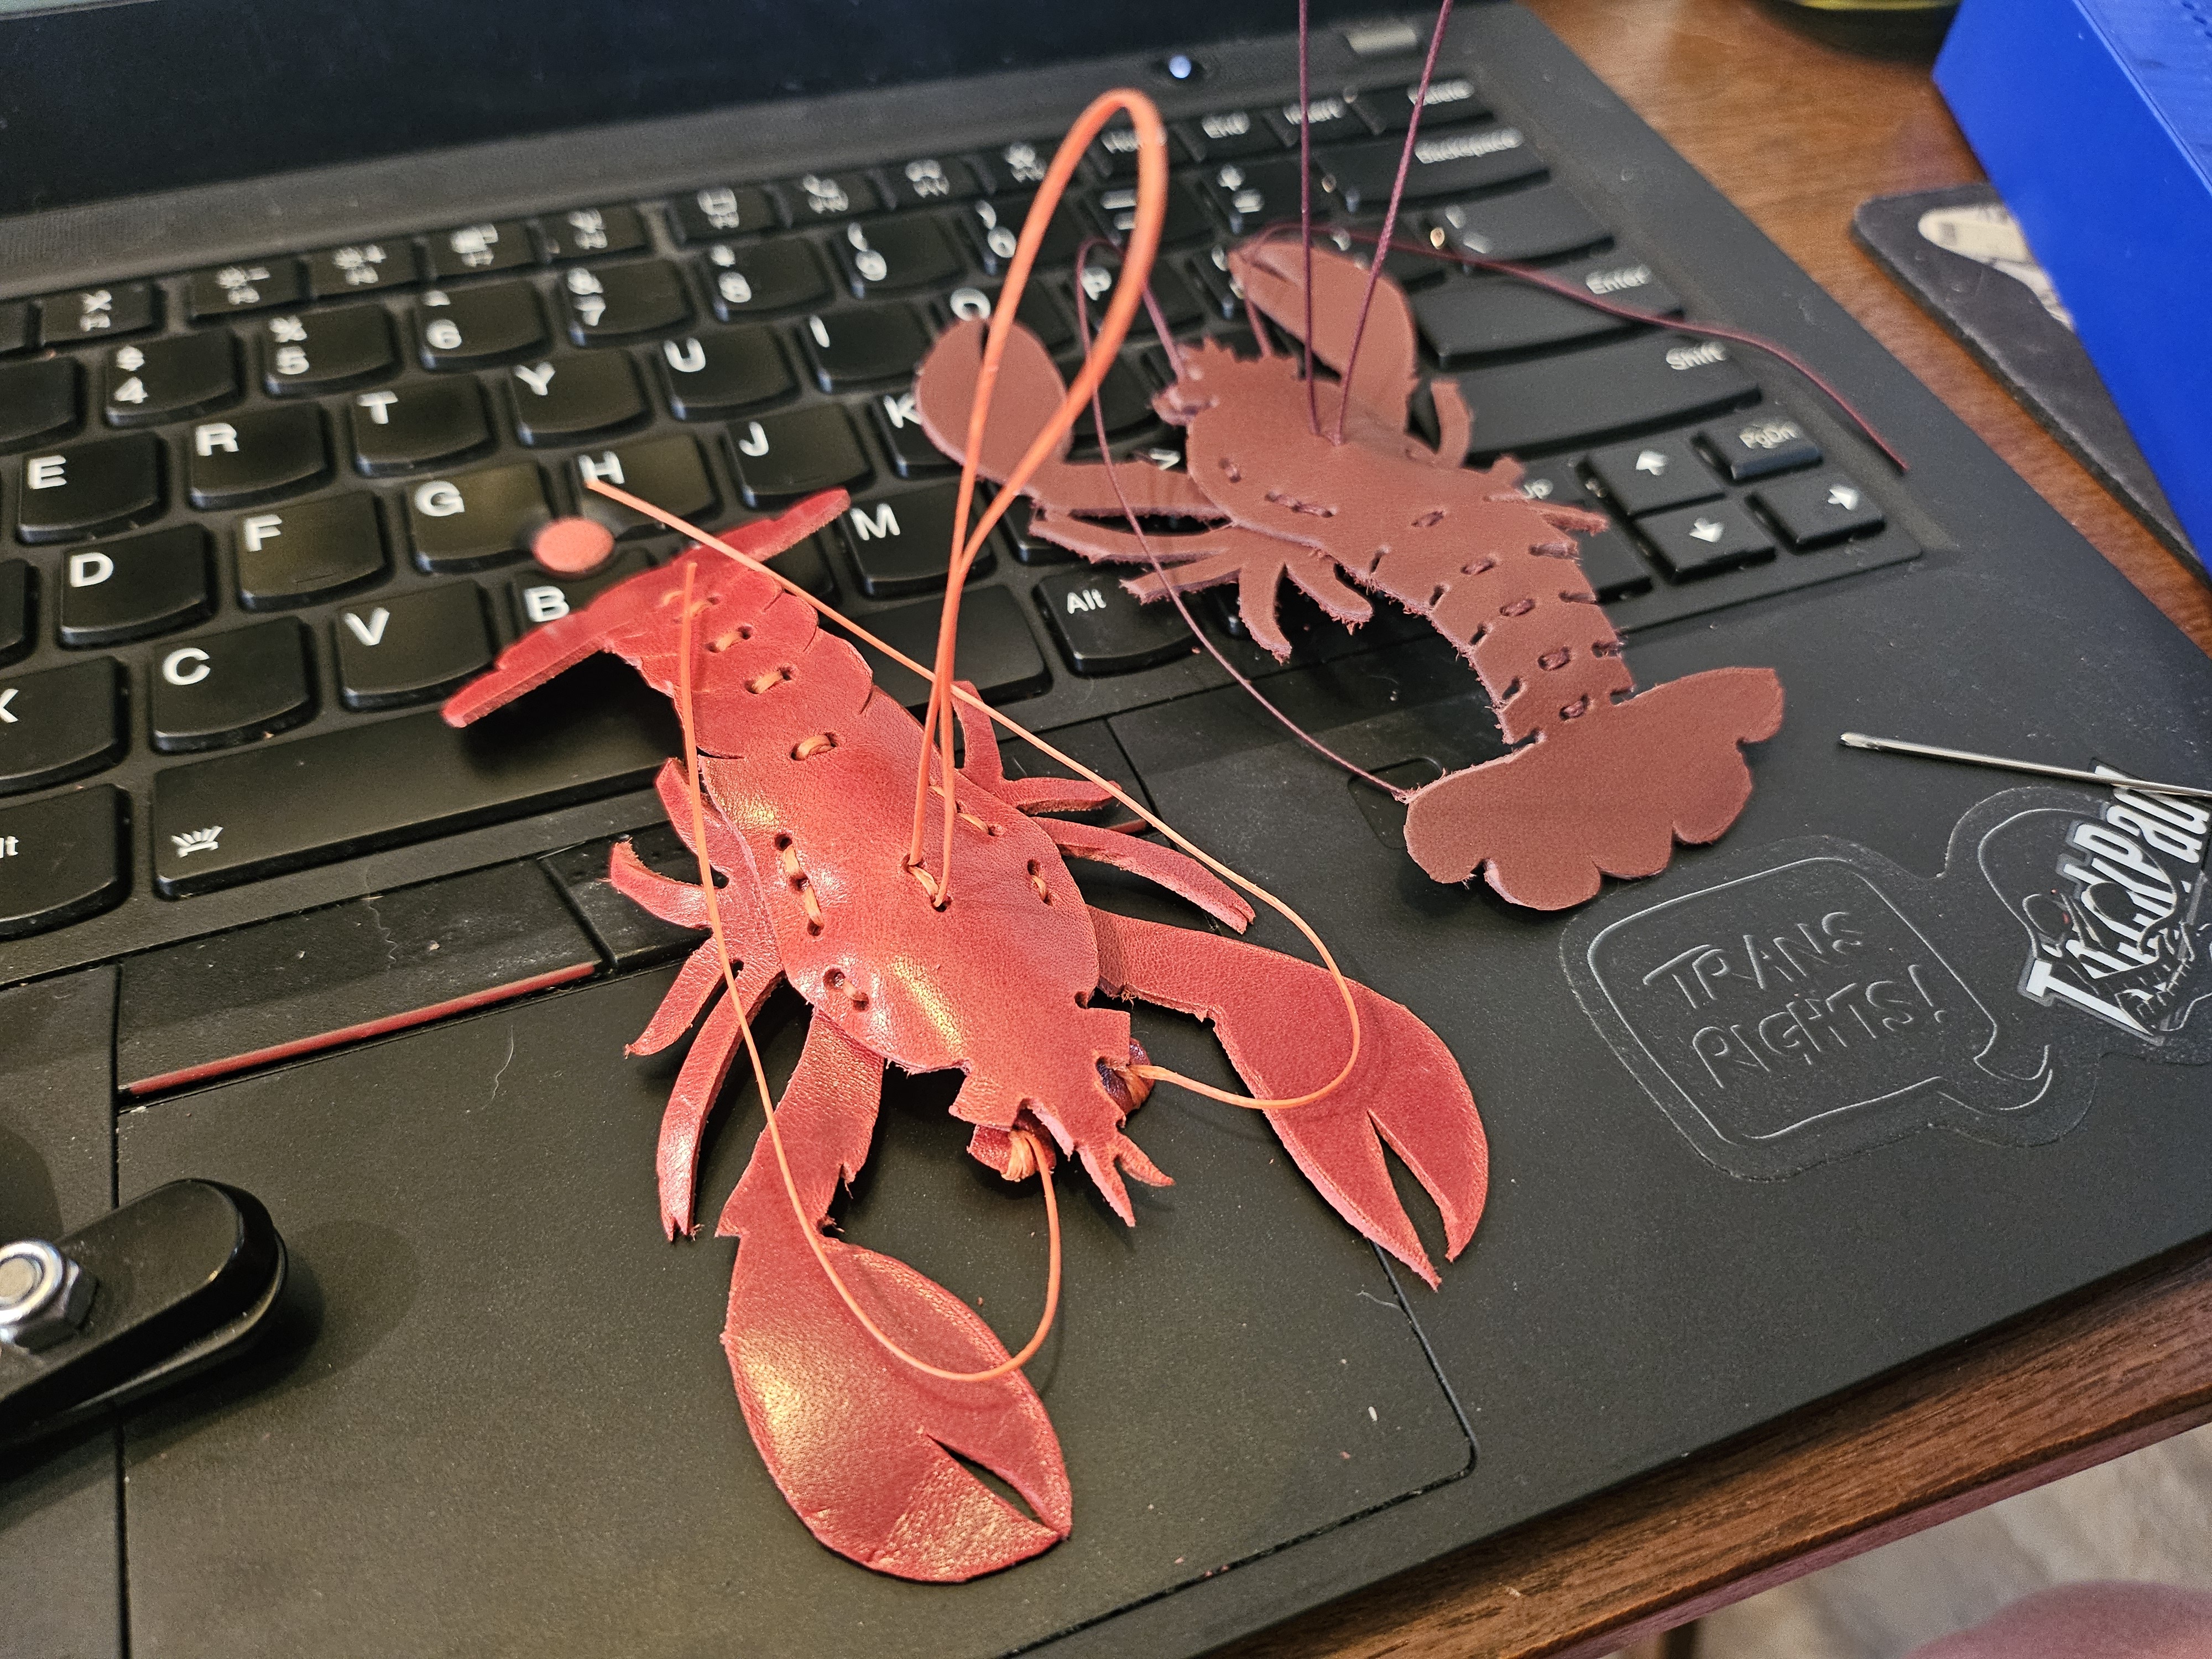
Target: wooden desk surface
1798,133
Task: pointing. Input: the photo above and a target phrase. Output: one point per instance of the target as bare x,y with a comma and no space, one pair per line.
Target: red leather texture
1494,572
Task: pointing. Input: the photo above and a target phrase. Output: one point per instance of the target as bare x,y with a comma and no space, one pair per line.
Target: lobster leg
859,1440
1282,1026
1178,873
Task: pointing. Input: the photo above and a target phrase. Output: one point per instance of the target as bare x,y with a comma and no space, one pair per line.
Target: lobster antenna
1158,1074
1305,199
1389,223
807,1227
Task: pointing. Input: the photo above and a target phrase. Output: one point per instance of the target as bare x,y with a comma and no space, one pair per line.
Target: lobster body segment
808,773
1493,571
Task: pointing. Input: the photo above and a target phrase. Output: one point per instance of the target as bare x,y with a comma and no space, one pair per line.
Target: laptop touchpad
501,1418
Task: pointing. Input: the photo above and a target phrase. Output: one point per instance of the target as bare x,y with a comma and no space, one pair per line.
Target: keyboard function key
1327,119
860,347
476,519
590,232
904,546
59,725
37,401
479,249
1656,473
153,381
61,860
1101,630
1021,165
363,267
1696,540
226,688
893,256
667,471
817,196
1228,133
323,350
898,425
411,648
1114,151
308,552
1760,445
719,211
796,454
130,590
720,371
18,589
620,303
98,314
748,281
1452,99
258,454
1820,510
1614,567
560,399
930,181
416,425
249,285
87,489
472,326
1546,222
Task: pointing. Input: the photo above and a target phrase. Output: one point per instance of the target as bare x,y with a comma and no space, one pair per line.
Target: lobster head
640,620
1272,273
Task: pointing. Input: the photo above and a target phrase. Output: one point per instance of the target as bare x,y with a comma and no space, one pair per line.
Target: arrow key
1823,509
1696,540
1653,474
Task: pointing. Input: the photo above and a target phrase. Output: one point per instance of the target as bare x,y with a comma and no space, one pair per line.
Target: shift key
1606,392
284,805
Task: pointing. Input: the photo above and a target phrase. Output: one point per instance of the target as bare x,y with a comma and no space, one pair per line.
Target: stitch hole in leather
1037,880
1576,709
1553,661
820,743
1517,607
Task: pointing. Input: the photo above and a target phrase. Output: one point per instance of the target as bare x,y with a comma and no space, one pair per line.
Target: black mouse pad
499,1421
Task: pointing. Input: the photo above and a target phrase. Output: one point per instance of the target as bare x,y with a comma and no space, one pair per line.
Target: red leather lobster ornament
809,772
1605,779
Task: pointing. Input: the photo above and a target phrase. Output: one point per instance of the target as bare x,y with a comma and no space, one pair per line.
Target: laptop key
1760,445
667,471
1178,301
323,350
819,196
559,399
780,456
1186,222
15,329
1652,379
89,487
308,552
225,688
1327,119
411,648
98,314
363,267
166,379
898,425
1657,472
1021,166
1824,508
719,371
1123,398
995,649
1545,223
60,860
904,546
996,229
860,347
415,426
1452,99
1101,630
1614,567
249,285
1228,133
1030,548
780,274
474,519
1696,540
129,590
588,233
476,325
37,401
1114,151
543,600
59,725
930,181
1039,312
620,303
477,250
719,210
1452,162
258,454
893,256
17,585
1490,316
1249,194
282,806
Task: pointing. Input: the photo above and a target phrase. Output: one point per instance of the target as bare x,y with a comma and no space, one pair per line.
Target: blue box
2094,120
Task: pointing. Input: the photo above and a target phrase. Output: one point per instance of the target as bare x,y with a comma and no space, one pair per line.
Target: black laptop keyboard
261,518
